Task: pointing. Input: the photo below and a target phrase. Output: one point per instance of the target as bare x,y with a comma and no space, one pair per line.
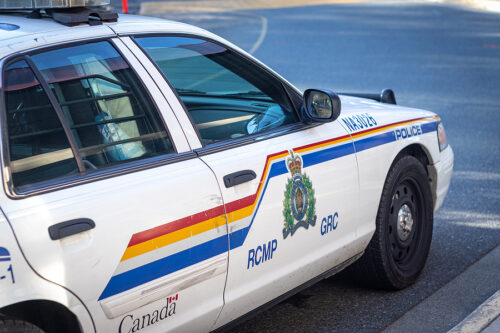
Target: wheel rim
405,223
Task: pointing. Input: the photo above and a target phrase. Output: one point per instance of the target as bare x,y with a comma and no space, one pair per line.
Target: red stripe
240,203
175,225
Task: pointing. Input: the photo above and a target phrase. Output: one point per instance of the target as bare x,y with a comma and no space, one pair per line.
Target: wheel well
416,151
47,315
419,153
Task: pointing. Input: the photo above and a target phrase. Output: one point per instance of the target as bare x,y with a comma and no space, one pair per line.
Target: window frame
292,95
81,177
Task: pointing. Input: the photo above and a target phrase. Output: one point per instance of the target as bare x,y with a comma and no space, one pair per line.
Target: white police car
156,178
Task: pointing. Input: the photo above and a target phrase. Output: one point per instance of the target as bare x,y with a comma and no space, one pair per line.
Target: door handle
68,228
239,177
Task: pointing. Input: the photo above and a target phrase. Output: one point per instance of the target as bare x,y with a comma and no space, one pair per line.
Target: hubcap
404,222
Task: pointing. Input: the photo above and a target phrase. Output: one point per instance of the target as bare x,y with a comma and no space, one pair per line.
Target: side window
226,95
108,110
111,117
38,147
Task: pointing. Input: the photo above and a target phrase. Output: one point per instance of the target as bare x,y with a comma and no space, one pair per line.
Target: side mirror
320,106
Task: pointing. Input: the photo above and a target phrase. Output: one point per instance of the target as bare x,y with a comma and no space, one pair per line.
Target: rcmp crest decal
299,205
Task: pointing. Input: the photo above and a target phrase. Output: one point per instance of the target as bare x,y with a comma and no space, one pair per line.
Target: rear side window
38,147
110,117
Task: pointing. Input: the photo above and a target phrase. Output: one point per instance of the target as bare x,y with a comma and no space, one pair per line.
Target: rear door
290,189
104,194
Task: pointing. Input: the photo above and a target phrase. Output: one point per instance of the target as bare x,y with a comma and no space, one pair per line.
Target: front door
104,194
290,190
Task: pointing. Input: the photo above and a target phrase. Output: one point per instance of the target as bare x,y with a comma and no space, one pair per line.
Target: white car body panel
374,163
38,33
442,171
206,290
74,261
19,283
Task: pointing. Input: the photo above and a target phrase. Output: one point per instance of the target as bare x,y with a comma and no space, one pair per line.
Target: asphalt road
435,56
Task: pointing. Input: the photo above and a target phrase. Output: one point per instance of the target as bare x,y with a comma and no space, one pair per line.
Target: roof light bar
42,4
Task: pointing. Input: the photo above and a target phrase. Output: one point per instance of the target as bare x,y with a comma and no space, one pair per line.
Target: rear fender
20,284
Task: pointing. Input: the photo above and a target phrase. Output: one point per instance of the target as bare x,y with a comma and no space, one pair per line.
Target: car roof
19,33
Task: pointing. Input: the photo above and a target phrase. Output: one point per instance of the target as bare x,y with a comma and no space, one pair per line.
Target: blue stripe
278,168
387,137
327,154
374,141
5,259
237,238
429,127
156,269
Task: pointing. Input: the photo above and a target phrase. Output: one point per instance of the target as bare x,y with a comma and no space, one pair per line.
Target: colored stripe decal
173,237
156,269
429,127
175,225
374,141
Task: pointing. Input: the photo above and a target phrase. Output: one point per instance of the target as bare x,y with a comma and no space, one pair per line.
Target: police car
158,178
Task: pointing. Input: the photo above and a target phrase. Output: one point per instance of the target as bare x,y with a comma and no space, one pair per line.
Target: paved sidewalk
448,306
486,318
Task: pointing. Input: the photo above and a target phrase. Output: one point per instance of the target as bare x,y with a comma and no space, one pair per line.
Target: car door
290,189
104,194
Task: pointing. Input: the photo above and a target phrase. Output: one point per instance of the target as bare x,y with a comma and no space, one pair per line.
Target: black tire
395,257
17,326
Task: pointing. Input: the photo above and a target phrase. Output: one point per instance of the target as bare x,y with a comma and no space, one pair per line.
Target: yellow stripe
329,143
173,237
240,213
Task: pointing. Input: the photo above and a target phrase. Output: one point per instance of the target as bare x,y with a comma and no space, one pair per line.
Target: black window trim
86,176
231,142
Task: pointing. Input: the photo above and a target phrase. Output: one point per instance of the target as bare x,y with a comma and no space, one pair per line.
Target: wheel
17,326
397,253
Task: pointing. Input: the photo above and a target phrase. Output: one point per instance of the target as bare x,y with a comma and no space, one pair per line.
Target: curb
481,317
450,304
